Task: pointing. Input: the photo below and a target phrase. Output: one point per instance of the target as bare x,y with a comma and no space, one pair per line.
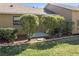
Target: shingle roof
12,8
66,6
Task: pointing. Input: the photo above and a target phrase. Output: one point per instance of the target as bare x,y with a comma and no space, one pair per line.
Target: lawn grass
63,47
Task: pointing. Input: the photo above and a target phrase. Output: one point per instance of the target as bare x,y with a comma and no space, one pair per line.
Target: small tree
29,23
49,23
60,23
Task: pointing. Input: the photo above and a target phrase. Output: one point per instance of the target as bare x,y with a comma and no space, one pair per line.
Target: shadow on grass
14,50
43,45
51,44
71,40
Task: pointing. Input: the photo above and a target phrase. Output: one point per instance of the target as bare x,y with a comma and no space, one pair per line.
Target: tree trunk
29,39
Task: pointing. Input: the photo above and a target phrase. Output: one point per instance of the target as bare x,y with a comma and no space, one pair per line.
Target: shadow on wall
48,11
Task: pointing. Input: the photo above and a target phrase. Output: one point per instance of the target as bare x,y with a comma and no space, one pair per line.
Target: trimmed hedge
8,34
52,23
29,23
48,23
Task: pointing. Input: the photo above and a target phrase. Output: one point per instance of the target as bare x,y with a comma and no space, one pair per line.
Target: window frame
15,21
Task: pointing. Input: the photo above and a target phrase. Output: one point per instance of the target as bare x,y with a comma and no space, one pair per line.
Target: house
70,13
11,12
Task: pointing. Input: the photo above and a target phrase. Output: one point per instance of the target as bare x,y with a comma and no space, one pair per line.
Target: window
16,20
78,24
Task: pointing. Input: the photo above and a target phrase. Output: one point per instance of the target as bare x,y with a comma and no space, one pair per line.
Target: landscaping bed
68,46
21,39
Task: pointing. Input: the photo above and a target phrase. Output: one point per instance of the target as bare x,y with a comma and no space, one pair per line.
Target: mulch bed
20,38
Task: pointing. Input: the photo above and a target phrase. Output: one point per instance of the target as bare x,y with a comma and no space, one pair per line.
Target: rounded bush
29,23
52,23
8,34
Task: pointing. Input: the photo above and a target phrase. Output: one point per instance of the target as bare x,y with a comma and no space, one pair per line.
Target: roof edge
77,10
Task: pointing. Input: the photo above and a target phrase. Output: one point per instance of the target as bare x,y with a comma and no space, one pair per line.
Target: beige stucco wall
6,20
68,14
75,17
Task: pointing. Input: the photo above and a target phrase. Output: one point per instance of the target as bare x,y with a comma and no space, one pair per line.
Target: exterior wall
68,14
60,10
75,18
6,20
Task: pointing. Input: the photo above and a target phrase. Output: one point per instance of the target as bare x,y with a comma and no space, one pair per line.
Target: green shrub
60,25
51,23
68,27
29,24
8,34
